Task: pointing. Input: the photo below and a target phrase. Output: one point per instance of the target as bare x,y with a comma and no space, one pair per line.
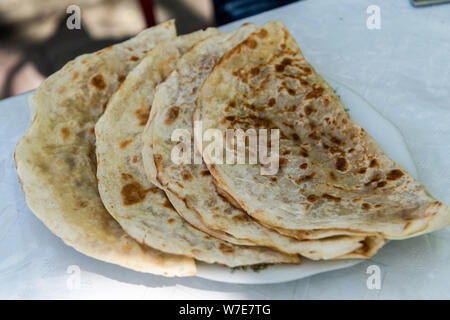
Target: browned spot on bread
365,206
283,162
316,92
312,198
280,67
134,58
331,198
273,179
251,43
362,170
170,221
254,71
376,177
303,166
226,249
172,115
332,176
142,114
75,75
61,89
186,176
341,164
305,178
356,199
130,49
381,184
394,174
304,153
309,109
167,204
262,33
272,102
135,159
126,176
121,78
205,173
158,159
125,143
373,163
65,132
98,82
335,140
133,193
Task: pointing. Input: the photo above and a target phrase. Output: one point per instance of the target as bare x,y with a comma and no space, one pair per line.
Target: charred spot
134,58
272,102
226,249
375,178
286,152
65,132
170,221
172,115
125,143
205,173
335,140
280,67
230,118
186,176
303,153
121,78
291,91
98,82
394,174
273,179
295,137
331,198
373,163
366,206
315,93
362,170
142,114
303,166
312,198
309,109
341,164
305,178
254,71
133,193
381,184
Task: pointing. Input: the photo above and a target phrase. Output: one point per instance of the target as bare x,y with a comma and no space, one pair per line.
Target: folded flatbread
332,174
190,186
142,209
56,162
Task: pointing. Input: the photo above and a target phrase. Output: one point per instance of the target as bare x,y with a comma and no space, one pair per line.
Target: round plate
390,140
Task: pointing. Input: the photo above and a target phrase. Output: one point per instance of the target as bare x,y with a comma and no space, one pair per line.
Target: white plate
29,249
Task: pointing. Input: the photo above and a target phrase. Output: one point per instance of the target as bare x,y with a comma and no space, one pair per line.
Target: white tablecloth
402,69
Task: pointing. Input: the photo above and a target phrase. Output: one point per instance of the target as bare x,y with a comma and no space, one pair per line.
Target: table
402,69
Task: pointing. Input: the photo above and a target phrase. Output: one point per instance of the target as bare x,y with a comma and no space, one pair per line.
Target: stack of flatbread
98,163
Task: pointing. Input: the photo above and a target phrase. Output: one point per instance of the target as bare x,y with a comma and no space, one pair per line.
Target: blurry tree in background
35,40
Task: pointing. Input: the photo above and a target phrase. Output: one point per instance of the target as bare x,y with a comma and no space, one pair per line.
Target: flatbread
332,173
141,208
56,163
192,183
